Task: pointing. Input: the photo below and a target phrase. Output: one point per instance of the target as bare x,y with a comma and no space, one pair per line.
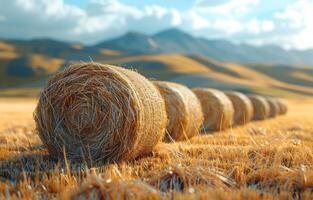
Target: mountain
133,43
177,41
165,42
172,55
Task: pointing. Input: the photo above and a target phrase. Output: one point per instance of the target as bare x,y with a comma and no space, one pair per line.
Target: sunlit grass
266,159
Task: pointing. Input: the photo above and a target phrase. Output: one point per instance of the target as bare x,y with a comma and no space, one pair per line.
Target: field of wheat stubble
269,159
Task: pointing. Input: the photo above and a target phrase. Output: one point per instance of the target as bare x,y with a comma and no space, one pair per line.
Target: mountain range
174,41
177,41
170,55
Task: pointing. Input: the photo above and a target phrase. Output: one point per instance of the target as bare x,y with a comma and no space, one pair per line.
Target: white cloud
201,3
197,21
99,20
230,8
267,25
293,15
176,17
238,20
232,17
230,27
155,10
38,18
227,26
56,9
298,17
113,7
258,26
106,15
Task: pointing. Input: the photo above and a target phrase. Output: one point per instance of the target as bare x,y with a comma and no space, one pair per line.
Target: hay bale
283,106
100,113
183,110
261,107
242,106
217,109
274,107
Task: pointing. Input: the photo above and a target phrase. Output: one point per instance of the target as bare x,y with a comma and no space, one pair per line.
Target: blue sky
179,4
286,23
80,3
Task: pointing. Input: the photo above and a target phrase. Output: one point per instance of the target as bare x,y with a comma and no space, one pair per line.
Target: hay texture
217,109
100,113
274,107
261,107
283,106
183,110
242,106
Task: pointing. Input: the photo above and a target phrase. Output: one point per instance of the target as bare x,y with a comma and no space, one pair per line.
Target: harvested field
268,159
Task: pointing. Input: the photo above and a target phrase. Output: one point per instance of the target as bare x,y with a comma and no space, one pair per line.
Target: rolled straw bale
283,106
217,109
100,113
183,110
274,107
261,107
242,106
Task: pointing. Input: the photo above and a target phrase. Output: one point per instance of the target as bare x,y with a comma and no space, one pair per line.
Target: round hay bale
274,107
242,106
100,113
283,106
217,109
183,110
261,107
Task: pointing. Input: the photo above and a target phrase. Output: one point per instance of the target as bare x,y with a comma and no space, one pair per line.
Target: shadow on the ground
36,162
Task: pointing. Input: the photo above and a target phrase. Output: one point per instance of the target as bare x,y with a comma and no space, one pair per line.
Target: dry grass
50,65
109,52
269,159
78,46
100,113
7,51
302,76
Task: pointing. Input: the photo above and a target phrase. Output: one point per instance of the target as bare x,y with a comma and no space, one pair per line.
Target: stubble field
269,159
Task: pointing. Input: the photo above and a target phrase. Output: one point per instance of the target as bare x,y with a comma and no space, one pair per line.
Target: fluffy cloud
257,26
101,19
231,17
157,11
201,3
237,20
197,21
297,20
38,18
230,8
177,18
227,26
